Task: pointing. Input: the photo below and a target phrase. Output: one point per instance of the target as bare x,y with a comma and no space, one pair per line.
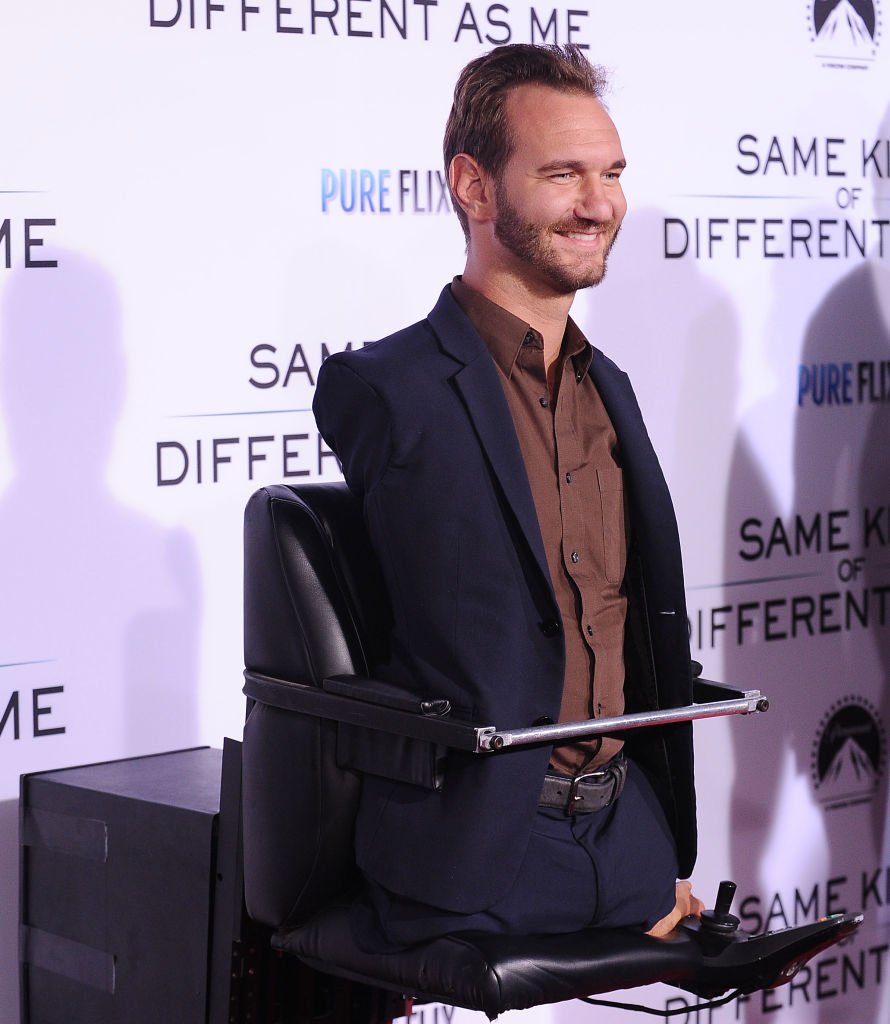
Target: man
527,540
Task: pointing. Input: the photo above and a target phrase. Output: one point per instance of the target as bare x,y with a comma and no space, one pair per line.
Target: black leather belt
585,793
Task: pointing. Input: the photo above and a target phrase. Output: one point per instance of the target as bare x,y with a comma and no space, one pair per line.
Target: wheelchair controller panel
773,958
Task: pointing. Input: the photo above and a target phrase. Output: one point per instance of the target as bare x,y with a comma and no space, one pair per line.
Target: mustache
608,227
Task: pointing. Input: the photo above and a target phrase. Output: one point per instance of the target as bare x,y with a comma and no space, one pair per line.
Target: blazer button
543,720
549,627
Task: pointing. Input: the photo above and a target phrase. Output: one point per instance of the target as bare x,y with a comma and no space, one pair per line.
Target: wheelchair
316,619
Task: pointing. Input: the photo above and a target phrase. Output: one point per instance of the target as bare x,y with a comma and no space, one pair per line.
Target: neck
539,307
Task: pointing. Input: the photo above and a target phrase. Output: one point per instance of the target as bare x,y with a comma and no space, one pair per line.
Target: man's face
559,198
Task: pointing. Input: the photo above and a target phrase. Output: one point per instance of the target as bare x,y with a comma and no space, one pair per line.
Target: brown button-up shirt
569,448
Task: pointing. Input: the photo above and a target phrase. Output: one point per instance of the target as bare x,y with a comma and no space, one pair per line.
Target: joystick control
719,921
717,929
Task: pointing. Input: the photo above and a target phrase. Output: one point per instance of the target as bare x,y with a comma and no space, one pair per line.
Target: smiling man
528,542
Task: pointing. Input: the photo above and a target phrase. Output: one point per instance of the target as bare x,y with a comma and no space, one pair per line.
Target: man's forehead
535,110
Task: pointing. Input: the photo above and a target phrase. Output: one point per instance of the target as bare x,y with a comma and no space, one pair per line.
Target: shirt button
545,402
569,477
579,377
576,557
589,629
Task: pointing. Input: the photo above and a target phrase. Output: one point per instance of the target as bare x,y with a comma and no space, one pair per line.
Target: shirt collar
505,334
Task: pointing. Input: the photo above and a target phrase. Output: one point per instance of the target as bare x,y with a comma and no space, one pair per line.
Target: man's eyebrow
578,165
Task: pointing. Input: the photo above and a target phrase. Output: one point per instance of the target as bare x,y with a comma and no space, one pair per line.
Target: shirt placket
579,512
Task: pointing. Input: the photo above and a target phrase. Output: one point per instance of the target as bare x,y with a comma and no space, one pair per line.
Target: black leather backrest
314,606
314,602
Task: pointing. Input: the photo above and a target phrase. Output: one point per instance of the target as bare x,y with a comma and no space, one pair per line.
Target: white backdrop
199,200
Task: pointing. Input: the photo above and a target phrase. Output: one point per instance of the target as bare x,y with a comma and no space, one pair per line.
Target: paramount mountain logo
849,753
845,33
844,25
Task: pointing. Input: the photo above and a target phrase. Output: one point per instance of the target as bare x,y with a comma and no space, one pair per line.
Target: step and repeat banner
200,200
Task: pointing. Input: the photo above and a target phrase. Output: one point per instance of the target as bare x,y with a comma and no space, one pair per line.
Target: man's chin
567,283
596,279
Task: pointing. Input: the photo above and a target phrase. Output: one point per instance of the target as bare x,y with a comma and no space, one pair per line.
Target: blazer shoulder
609,366
379,359
445,334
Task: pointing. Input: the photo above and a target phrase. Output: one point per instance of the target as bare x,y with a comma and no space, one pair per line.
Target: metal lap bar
749,702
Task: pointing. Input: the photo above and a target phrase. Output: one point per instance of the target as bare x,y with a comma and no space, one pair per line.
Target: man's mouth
582,233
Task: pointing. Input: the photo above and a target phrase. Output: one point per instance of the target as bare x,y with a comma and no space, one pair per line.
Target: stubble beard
530,243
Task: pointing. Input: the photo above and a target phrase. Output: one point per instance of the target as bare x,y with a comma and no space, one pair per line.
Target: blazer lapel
621,405
480,389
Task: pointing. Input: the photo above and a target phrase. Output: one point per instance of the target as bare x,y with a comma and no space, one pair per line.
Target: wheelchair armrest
374,704
371,704
387,695
707,691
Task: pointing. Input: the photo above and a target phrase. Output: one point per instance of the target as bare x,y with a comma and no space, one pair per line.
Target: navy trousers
616,867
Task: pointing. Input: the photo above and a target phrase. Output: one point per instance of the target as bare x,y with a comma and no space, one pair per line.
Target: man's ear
472,188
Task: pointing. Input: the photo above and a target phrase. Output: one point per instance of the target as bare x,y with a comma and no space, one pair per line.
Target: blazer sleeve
354,420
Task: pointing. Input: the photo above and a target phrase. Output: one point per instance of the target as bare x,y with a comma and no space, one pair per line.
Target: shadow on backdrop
809,801
100,606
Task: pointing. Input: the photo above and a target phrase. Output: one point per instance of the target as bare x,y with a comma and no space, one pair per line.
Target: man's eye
562,176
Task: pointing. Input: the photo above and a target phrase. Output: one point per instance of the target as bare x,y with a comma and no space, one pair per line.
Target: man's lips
583,236
593,237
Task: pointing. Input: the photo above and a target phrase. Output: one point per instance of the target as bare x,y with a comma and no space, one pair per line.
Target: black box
118,882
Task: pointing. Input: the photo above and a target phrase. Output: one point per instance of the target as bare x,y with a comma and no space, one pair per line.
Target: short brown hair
478,125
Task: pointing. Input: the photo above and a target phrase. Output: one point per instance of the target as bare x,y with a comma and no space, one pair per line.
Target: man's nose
595,202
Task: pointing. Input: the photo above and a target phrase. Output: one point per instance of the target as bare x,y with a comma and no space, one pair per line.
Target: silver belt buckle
576,797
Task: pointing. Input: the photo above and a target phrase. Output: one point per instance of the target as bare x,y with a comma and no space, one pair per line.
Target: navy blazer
421,426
